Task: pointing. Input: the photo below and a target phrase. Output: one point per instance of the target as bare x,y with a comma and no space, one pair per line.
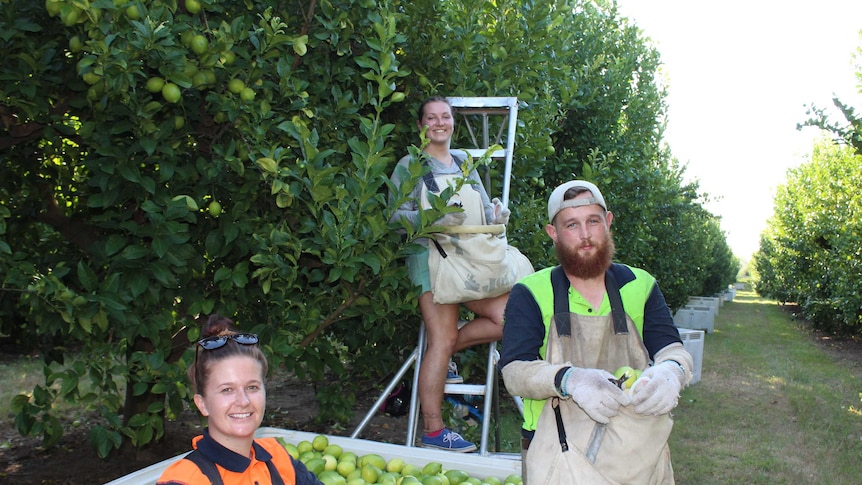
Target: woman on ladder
441,320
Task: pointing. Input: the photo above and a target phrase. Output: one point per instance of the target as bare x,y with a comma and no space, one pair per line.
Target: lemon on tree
235,85
76,44
247,94
193,6
91,78
199,44
133,13
171,92
155,84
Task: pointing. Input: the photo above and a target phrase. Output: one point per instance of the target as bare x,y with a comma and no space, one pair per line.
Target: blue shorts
417,268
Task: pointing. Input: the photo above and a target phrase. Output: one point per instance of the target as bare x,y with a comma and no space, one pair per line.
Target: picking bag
469,263
472,261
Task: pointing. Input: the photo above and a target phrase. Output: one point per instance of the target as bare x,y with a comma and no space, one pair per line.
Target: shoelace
452,437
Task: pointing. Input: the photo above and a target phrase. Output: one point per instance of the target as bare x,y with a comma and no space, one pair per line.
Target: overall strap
431,185
621,327
428,178
273,473
560,286
206,466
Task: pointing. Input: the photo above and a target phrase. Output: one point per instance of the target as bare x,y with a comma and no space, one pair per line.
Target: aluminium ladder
475,114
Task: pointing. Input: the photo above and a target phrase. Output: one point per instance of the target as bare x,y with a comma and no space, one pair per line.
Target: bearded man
566,330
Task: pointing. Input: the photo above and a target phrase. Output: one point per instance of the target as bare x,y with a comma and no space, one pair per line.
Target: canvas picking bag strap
472,261
632,449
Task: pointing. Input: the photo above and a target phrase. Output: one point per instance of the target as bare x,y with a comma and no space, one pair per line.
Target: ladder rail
487,106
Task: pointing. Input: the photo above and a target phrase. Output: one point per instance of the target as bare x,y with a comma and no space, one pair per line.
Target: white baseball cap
556,202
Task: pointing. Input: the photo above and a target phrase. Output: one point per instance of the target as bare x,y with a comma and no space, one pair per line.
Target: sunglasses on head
219,341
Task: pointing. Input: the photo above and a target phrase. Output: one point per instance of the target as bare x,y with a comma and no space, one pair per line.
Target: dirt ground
290,404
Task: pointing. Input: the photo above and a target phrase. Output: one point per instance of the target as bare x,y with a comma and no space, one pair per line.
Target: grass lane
772,406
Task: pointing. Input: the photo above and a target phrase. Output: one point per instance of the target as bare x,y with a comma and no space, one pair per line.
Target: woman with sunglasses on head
227,376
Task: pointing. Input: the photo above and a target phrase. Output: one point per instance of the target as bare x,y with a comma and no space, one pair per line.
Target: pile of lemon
336,466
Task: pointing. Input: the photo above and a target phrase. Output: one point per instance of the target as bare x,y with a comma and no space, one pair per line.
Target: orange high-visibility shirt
236,469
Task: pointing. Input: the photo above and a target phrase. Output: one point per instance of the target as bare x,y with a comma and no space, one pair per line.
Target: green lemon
330,477
316,465
76,44
388,478
320,442
374,460
395,465
132,12
370,473
235,85
247,94
193,6
334,450
513,479
171,92
215,211
456,477
304,446
345,468
291,450
346,455
432,480
53,7
91,78
200,44
155,84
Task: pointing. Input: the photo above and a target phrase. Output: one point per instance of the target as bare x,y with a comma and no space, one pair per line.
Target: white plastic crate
692,340
695,317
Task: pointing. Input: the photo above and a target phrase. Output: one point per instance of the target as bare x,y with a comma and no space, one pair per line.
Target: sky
739,75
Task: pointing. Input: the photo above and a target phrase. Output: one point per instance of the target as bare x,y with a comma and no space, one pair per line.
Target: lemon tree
142,188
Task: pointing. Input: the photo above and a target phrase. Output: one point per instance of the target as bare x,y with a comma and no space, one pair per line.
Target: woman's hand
501,213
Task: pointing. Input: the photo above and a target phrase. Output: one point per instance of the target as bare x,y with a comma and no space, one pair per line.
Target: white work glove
656,392
592,390
501,214
451,219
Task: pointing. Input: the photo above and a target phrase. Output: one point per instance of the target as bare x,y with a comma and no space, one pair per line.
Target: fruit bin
692,340
500,465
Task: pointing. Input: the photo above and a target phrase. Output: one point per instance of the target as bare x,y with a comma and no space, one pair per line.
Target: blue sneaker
448,440
452,376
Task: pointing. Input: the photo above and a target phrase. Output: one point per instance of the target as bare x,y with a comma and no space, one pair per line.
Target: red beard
586,267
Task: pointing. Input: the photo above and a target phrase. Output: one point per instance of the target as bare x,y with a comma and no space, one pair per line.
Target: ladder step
465,389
